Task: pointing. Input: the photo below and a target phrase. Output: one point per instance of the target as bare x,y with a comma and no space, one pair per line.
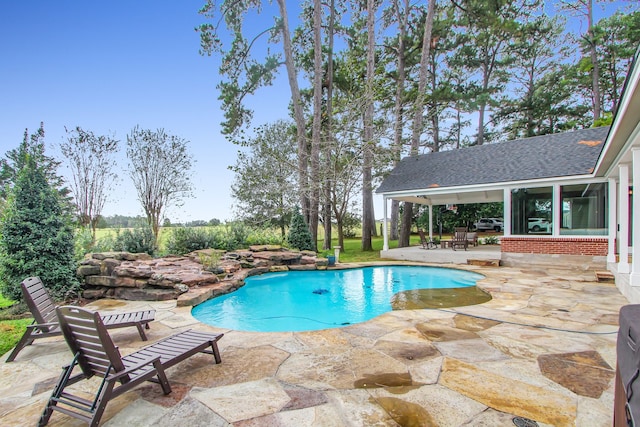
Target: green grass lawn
10,333
352,252
11,330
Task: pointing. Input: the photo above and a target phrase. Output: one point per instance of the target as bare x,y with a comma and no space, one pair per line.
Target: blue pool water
311,300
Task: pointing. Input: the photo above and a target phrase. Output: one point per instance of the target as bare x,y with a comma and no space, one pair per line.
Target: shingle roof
539,157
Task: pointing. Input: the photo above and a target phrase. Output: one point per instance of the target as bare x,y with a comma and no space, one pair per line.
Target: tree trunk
595,71
367,156
329,131
398,110
314,201
405,230
292,74
340,226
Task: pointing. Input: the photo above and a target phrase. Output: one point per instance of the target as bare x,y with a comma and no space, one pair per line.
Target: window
584,209
531,211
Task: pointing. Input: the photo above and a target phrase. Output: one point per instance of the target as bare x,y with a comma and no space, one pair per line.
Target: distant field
350,253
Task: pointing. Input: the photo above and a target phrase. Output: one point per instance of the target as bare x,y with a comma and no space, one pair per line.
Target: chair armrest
130,369
42,325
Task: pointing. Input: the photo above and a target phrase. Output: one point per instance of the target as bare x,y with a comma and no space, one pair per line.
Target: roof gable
547,156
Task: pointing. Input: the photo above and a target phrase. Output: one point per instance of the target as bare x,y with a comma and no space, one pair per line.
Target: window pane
531,211
584,210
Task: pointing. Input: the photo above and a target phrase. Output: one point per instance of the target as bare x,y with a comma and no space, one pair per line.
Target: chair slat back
39,301
460,234
423,238
88,337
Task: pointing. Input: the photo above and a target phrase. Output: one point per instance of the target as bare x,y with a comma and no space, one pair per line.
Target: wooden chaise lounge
95,354
45,323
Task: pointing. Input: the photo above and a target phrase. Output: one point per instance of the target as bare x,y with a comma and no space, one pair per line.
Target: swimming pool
312,300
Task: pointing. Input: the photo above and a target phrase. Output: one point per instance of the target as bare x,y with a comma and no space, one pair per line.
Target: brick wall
590,246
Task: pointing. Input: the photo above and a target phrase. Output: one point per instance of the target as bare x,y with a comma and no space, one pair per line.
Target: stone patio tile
139,413
243,339
238,365
12,375
356,408
523,370
526,342
518,398
426,372
180,319
584,373
594,412
443,406
476,350
317,416
325,338
191,413
439,333
473,324
334,367
408,352
323,369
244,401
491,418
22,410
405,335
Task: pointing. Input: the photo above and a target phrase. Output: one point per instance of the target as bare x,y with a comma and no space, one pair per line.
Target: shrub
350,224
105,244
264,237
140,240
36,237
188,239
235,236
489,240
83,242
299,236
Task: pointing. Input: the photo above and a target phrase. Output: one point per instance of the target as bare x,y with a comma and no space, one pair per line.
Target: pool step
484,262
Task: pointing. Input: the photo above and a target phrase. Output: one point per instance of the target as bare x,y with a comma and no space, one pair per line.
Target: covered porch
443,255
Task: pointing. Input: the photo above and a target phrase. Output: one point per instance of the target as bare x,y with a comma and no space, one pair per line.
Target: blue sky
108,66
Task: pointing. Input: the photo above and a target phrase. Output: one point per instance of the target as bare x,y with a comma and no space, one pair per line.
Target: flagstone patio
543,348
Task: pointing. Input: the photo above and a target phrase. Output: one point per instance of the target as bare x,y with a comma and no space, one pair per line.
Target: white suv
485,224
539,224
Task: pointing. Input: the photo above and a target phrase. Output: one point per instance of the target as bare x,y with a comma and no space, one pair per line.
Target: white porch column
385,237
635,217
623,220
556,209
506,212
430,222
613,220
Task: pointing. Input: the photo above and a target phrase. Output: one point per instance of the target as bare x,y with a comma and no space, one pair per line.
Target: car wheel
497,228
536,228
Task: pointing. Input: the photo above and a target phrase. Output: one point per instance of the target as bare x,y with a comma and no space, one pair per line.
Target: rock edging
190,279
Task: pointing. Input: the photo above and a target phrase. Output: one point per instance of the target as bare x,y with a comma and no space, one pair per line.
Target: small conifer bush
299,236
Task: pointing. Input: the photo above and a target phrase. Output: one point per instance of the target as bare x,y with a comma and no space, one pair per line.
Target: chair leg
101,403
24,341
216,352
162,377
141,331
57,391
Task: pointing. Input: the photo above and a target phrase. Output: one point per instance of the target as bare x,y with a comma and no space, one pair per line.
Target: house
579,184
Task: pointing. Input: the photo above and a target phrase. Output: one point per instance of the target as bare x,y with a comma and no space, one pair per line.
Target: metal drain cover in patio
524,422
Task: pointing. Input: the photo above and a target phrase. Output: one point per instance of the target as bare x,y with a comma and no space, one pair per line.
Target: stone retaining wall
190,279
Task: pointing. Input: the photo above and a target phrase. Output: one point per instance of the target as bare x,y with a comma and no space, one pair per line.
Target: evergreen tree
36,237
299,236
